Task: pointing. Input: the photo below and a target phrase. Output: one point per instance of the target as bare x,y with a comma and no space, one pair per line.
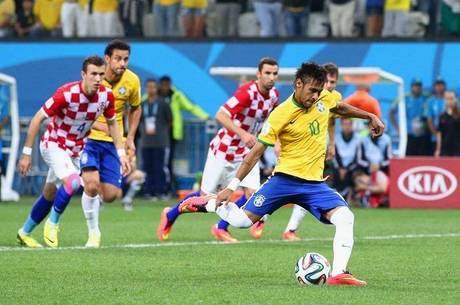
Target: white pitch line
219,243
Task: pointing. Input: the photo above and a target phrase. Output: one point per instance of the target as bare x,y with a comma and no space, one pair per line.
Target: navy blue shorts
316,197
103,156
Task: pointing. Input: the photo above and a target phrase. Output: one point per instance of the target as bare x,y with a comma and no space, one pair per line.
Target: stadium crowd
229,18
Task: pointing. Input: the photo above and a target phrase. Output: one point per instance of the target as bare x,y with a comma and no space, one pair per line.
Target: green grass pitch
407,257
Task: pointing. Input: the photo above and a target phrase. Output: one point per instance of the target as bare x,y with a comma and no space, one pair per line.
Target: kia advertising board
425,183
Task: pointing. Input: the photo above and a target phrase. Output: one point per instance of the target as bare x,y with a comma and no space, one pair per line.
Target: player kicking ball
71,111
300,124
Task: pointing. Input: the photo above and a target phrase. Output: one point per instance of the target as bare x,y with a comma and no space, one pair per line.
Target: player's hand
125,165
330,153
223,197
24,164
130,145
249,139
376,125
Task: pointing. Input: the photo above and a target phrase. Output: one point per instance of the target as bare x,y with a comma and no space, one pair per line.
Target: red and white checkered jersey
72,114
248,109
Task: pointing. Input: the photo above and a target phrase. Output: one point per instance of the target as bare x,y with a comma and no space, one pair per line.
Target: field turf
407,257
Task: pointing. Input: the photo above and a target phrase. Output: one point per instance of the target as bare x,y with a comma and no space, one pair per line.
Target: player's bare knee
91,187
49,191
72,183
109,198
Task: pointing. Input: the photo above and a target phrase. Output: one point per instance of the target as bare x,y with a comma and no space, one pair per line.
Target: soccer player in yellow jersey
298,213
300,124
99,161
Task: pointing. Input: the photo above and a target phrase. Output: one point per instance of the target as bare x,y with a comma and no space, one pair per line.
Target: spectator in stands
418,135
375,151
347,144
178,103
296,14
227,15
436,106
341,17
193,13
70,18
431,9
25,19
448,135
374,10
7,16
131,13
396,18
268,13
156,135
362,99
165,14
47,16
450,17
104,18
371,190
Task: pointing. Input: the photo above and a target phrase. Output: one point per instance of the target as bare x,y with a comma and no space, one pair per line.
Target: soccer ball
312,269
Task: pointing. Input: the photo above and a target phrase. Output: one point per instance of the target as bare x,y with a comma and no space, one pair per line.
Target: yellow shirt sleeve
135,97
272,127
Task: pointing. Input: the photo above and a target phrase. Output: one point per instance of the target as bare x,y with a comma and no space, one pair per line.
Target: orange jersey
363,100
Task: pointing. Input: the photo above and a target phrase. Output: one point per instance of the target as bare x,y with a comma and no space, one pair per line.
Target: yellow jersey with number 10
303,136
126,91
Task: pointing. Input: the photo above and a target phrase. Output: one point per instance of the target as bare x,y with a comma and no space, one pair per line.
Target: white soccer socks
298,213
231,213
91,207
343,219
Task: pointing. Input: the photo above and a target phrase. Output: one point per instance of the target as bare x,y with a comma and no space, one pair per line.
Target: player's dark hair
267,61
150,80
92,60
116,44
331,69
165,78
310,71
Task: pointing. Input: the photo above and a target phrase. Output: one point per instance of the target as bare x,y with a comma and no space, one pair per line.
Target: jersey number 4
81,127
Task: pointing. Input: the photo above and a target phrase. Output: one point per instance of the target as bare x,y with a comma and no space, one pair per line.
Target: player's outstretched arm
248,163
25,162
376,125
118,141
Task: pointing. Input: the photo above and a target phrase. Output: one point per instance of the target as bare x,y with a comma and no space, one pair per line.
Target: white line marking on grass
250,241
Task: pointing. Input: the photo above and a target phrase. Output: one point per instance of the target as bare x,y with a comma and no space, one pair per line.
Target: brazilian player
99,161
300,124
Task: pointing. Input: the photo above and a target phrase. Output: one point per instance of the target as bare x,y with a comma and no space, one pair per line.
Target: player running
72,110
99,161
242,117
300,124
298,213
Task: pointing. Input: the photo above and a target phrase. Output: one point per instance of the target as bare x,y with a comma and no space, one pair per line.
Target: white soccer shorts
218,173
60,162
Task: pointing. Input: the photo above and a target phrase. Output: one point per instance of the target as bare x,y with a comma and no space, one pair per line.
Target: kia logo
427,183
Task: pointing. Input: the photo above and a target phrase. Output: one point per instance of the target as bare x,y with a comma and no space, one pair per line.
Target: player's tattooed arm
246,165
375,124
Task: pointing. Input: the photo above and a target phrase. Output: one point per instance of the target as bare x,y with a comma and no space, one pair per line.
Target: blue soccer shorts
316,197
103,156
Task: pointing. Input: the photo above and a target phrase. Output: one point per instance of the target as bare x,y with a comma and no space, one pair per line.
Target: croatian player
242,117
72,110
300,124
99,161
298,213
